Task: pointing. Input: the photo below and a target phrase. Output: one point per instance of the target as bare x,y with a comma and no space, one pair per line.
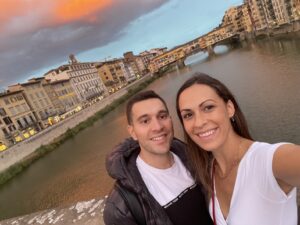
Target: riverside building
274,13
238,18
17,120
83,77
38,99
62,95
113,74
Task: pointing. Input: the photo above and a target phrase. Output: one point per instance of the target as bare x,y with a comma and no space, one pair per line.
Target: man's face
152,127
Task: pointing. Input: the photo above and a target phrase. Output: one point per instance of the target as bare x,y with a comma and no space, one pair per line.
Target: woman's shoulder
262,151
258,146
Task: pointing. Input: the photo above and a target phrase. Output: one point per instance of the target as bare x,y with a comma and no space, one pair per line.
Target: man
153,165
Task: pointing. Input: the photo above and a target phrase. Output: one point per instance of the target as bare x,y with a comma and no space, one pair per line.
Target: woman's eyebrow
200,105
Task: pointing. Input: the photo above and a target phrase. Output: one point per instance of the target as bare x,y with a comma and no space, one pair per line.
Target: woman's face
205,116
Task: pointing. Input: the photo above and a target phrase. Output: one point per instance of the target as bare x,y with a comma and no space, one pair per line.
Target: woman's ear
230,108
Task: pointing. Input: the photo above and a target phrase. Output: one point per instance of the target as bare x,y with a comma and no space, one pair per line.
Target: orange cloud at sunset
70,10
10,8
14,14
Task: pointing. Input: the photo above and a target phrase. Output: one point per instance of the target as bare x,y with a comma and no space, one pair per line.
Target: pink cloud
17,17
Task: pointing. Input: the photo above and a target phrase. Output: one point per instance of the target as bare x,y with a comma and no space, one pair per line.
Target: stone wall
82,213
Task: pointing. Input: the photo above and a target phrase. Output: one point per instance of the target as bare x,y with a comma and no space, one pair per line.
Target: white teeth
207,133
158,138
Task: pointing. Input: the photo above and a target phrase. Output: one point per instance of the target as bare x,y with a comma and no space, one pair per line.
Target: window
6,100
7,120
12,110
26,121
13,99
20,124
18,109
25,107
11,128
41,114
36,105
4,131
19,97
41,103
31,118
2,112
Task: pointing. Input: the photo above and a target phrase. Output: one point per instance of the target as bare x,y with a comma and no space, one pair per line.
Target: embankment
20,156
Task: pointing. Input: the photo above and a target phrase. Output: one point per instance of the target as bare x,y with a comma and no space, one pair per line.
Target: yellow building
238,18
257,12
37,99
16,116
65,94
296,10
6,137
272,14
165,59
113,74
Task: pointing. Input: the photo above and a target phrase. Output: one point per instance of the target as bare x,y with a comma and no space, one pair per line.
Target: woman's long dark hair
201,160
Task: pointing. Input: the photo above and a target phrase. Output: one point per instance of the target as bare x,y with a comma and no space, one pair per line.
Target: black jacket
121,166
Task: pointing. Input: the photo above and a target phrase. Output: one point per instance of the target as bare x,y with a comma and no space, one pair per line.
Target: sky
39,35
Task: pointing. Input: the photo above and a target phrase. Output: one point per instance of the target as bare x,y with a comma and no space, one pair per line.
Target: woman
248,182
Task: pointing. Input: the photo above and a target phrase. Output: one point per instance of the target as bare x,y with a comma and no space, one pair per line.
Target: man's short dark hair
141,96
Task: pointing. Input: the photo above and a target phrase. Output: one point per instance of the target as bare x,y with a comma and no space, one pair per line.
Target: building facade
17,118
113,74
66,96
83,77
38,99
238,18
273,13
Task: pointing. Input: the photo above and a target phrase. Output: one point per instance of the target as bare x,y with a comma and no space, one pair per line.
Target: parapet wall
82,213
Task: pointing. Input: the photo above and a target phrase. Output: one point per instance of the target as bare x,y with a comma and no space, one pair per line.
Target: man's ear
131,132
230,108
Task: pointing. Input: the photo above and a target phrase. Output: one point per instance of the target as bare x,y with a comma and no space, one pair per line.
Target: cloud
36,34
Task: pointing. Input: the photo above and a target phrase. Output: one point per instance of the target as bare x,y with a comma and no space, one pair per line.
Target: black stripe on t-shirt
180,196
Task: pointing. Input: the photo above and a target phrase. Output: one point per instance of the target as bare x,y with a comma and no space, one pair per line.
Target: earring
232,119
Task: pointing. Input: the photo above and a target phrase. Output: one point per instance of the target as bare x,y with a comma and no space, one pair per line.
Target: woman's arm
286,166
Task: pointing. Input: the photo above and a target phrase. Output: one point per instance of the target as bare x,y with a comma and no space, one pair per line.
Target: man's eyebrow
147,115
163,111
142,116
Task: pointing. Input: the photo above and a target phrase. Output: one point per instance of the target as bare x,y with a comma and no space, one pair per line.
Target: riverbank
17,158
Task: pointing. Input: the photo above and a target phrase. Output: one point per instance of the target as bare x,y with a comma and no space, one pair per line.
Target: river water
263,75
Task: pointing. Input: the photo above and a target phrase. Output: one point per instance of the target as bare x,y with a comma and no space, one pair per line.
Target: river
263,75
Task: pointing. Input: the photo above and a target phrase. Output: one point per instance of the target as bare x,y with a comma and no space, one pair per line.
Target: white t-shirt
257,198
165,184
